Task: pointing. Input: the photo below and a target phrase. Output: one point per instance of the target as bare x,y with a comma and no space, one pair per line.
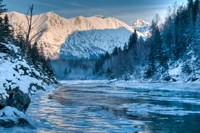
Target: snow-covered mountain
91,43
76,37
140,23
141,26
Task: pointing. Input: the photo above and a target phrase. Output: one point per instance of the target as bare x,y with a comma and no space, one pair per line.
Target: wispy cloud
127,13
126,10
75,4
48,5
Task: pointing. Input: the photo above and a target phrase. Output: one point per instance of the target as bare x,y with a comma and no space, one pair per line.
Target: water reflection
103,108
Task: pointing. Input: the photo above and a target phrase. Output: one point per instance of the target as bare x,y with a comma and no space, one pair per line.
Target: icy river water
102,107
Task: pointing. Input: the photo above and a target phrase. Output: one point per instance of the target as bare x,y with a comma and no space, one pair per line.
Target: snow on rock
176,71
11,117
11,113
61,31
16,73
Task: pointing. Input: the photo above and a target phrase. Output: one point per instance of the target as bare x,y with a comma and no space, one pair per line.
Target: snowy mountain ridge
62,34
141,26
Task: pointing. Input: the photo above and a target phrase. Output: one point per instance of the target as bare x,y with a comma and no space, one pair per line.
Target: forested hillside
171,52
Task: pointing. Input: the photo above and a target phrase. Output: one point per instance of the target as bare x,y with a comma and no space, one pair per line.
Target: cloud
75,4
126,13
125,10
48,5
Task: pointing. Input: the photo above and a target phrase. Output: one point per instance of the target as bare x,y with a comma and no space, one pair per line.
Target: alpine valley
99,74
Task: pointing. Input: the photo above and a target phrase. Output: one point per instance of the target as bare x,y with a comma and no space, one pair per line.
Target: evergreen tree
151,60
132,40
151,68
195,10
196,40
2,10
158,46
115,51
190,4
183,33
7,29
125,47
39,62
156,56
167,37
107,55
159,52
109,73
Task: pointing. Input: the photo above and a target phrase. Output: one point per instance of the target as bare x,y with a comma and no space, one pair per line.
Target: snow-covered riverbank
18,81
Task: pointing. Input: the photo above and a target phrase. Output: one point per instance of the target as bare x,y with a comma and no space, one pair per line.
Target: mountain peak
99,16
141,26
51,14
140,23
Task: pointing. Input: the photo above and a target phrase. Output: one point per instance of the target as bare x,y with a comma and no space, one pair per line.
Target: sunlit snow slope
79,37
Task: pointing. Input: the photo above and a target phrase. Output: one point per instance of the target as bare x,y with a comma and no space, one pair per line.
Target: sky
125,10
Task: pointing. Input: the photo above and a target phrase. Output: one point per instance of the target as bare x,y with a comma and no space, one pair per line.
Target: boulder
167,78
7,123
2,102
24,124
19,100
20,122
13,108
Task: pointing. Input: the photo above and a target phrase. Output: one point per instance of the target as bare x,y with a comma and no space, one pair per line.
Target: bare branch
27,34
37,35
19,29
29,18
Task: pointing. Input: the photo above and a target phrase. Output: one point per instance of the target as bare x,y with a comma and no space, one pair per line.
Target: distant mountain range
79,37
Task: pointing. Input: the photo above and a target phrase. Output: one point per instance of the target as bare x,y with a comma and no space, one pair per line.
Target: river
101,107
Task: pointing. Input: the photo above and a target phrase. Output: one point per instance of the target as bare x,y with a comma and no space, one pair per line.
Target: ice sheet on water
192,101
74,82
178,86
85,83
191,87
146,109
